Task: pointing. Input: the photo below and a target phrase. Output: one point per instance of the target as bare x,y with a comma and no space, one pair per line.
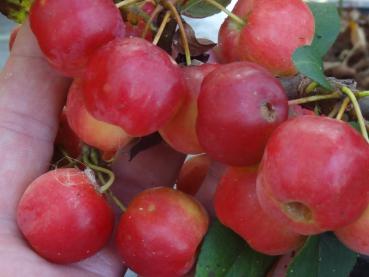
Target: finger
31,96
154,167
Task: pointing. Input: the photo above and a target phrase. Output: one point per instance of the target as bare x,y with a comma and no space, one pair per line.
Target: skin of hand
31,97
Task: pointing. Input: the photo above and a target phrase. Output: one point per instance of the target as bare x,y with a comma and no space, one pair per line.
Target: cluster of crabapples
286,177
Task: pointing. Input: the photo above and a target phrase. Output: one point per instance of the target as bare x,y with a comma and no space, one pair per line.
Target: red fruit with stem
228,40
180,131
240,104
230,31
136,21
314,174
70,31
356,235
238,208
273,30
193,174
160,232
63,217
133,84
104,136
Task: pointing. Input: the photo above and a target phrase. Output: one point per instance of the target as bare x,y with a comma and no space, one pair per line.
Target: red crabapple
238,208
133,84
240,104
63,217
70,31
314,174
273,30
180,131
356,235
160,232
104,136
193,174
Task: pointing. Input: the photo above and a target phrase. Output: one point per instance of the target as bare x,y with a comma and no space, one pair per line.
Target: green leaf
308,59
224,253
310,64
327,26
16,10
323,256
251,264
200,8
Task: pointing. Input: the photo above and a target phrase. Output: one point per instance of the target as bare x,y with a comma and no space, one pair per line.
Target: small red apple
180,131
356,235
133,84
160,232
273,30
193,174
104,136
239,106
314,174
63,217
237,207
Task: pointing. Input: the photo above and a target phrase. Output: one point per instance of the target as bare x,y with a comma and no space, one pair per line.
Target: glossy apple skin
230,31
228,41
356,235
237,207
274,30
240,104
63,217
160,232
133,84
104,136
67,35
180,131
193,174
314,174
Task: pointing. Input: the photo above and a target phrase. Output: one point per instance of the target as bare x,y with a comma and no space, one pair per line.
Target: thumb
31,97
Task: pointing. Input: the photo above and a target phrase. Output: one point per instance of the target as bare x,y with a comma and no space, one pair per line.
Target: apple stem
310,88
117,201
314,98
126,3
342,109
71,161
156,11
357,109
231,15
335,109
361,94
182,30
98,169
161,28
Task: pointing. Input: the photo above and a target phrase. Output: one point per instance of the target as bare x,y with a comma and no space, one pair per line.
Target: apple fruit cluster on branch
291,171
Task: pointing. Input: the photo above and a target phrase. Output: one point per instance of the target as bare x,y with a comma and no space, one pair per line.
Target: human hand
31,97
